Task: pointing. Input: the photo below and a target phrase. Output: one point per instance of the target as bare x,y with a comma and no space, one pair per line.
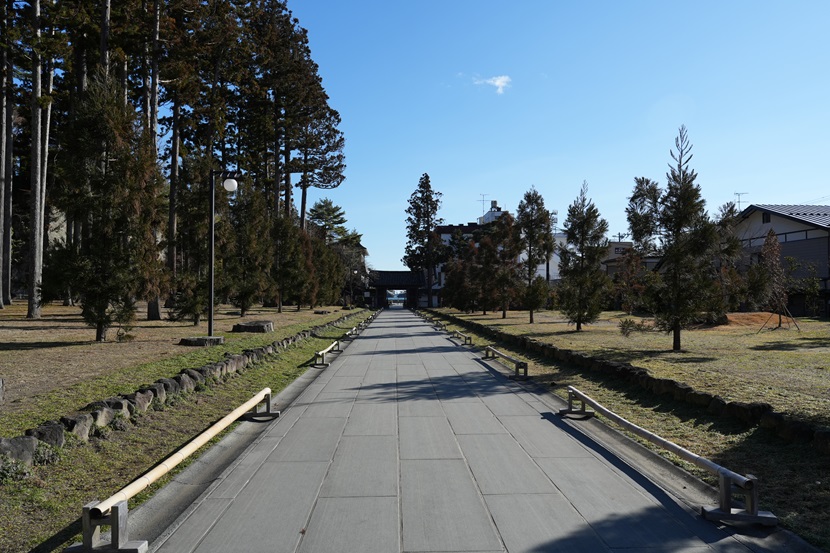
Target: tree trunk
172,249
7,161
4,82
154,77
286,160
277,175
35,163
46,128
105,36
154,305
100,332
676,337
154,310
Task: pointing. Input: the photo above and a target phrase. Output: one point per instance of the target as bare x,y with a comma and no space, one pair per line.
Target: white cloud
501,82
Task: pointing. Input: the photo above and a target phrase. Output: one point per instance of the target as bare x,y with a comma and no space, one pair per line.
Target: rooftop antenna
739,194
483,201
621,235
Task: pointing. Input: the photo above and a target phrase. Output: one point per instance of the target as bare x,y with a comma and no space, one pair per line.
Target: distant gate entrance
381,282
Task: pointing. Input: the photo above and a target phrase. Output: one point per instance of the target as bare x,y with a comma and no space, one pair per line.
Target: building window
765,217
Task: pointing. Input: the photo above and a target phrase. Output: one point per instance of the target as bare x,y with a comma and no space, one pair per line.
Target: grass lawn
785,367
44,359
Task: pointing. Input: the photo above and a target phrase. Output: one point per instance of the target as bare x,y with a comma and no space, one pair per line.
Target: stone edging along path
752,414
109,412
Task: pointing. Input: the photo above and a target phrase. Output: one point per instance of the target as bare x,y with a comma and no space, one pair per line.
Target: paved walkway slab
410,443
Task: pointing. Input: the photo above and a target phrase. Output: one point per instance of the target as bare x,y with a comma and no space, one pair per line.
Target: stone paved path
408,443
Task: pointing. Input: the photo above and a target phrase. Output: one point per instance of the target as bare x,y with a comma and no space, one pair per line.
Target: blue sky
490,98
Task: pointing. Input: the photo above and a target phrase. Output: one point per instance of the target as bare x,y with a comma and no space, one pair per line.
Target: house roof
817,215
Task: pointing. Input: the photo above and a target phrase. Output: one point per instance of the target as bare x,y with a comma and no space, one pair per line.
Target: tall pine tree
685,237
583,283
533,222
424,249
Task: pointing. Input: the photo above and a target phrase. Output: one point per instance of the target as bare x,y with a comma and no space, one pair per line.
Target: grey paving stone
442,510
412,372
337,404
427,438
372,419
380,361
507,405
419,407
309,394
540,438
286,420
472,418
403,359
363,466
620,512
264,519
352,369
197,525
343,384
380,376
245,469
542,522
310,439
353,524
437,366
501,466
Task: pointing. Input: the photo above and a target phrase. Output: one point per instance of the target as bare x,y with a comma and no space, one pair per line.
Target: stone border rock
752,414
112,412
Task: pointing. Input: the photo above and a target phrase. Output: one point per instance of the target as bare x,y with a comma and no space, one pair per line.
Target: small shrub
46,454
12,470
627,326
120,423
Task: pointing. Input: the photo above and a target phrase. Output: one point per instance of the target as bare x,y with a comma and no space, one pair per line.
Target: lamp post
230,184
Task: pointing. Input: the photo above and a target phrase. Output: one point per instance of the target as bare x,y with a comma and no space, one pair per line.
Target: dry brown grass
742,361
59,350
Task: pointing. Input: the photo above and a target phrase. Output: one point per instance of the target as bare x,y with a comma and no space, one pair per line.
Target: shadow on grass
806,342
28,346
59,539
632,355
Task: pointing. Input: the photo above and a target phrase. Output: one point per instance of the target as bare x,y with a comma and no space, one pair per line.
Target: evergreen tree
507,277
774,293
288,270
533,222
322,161
247,272
330,218
487,264
424,250
685,237
583,281
643,206
460,289
329,271
727,281
110,271
630,281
